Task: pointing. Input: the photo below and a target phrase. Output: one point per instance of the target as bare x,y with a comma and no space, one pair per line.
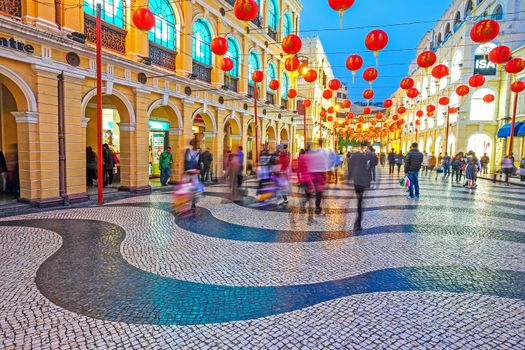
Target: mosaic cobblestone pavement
444,272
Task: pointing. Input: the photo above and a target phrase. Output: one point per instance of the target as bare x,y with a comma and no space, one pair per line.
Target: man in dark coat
391,161
109,163
359,173
413,162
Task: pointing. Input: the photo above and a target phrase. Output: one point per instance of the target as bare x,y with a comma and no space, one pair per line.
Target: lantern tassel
353,76
376,54
340,19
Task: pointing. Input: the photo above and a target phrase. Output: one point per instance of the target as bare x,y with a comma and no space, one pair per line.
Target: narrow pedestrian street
442,272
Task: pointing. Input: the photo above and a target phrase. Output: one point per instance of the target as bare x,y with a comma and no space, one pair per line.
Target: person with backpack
206,160
359,173
413,163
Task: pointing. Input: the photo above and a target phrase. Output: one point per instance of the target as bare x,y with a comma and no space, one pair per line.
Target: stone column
176,142
140,158
28,146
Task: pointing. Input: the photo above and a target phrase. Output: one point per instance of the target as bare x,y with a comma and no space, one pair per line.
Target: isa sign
483,66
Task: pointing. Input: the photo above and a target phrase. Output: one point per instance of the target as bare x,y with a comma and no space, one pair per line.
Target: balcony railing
270,98
257,21
113,37
272,34
202,71
284,103
231,83
11,7
162,56
251,90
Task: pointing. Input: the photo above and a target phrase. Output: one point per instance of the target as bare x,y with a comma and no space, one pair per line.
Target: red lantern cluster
257,76
484,31
476,81
388,103
143,18
444,101
462,90
489,98
500,54
227,64
426,59
292,44
245,10
407,83
517,86
440,71
219,45
334,84
328,94
310,76
274,84
412,93
515,65
368,94
292,93
291,64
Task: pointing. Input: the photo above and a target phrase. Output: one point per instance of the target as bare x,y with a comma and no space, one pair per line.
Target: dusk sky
339,44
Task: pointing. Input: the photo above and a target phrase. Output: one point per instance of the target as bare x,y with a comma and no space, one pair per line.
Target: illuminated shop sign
11,43
483,66
158,125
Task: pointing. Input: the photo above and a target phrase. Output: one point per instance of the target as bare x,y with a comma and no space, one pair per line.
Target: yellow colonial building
162,87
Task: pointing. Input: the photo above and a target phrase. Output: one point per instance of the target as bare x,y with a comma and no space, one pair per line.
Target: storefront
158,141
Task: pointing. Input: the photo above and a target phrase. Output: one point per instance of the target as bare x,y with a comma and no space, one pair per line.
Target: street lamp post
256,122
100,181
513,123
447,131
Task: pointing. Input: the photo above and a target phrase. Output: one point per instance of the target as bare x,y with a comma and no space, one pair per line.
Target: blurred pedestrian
446,165
206,160
318,167
91,166
109,163
382,159
3,172
413,163
391,161
399,161
359,174
485,160
373,162
165,162
506,167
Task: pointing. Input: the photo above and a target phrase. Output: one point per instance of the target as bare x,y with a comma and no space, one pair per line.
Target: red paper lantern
354,63
292,44
440,71
361,119
322,114
500,54
219,45
292,93
227,64
257,76
418,122
360,126
426,59
274,84
444,101
347,104
407,83
347,122
328,94
388,103
310,76
367,110
330,118
368,94
307,103
431,108
420,113
395,117
376,40
515,65
489,98
143,18
462,90
412,93
330,110
517,86
291,64
430,114
334,84
373,122
340,6
245,10
370,74
484,31
401,122
401,110
453,110
476,80
379,115
350,115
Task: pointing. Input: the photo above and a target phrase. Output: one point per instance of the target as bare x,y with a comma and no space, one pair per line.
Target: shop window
285,85
112,11
271,74
468,9
479,109
455,73
498,13
201,42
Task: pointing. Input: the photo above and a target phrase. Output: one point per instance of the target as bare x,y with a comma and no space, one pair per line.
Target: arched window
201,42
112,11
468,9
444,81
441,112
271,74
438,40
454,103
447,31
273,15
455,73
287,24
457,20
285,86
163,33
424,90
433,86
498,13
479,109
254,63
233,54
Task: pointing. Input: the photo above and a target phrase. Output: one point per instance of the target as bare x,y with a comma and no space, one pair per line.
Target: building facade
162,87
475,125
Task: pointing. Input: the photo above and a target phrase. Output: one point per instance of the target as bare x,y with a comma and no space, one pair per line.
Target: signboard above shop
158,125
483,66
